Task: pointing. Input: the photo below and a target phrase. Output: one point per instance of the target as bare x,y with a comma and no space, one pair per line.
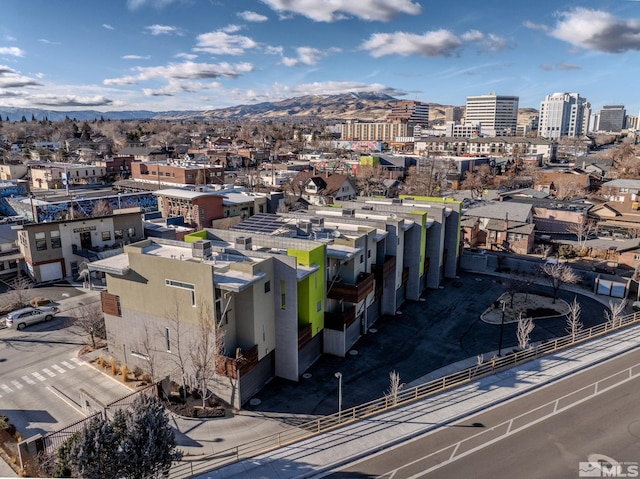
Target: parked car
26,316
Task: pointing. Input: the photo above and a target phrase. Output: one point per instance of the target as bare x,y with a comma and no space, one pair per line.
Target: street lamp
503,303
339,377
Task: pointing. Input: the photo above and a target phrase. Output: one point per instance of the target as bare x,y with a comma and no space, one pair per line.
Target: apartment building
55,250
410,111
56,176
354,130
564,114
497,114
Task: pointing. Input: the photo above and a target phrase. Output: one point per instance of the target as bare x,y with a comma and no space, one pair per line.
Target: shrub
101,362
124,372
146,377
114,365
39,301
137,371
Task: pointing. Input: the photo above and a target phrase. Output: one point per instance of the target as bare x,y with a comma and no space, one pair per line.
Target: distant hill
365,106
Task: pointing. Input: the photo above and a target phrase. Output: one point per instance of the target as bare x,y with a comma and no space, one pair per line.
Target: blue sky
203,54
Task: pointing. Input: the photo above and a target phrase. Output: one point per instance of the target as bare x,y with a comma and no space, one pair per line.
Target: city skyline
163,55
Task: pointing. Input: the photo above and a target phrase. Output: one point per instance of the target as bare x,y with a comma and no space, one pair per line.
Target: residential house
325,189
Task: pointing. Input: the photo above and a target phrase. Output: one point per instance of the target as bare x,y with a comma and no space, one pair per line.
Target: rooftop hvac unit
201,249
306,227
243,242
350,212
396,201
317,221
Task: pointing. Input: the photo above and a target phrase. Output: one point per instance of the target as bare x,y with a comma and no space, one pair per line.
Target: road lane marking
68,365
49,373
6,388
28,380
39,376
17,384
79,362
58,368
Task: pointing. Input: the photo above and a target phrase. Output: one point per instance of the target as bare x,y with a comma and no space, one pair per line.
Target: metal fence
189,468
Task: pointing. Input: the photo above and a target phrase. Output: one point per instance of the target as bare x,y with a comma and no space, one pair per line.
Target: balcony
340,320
237,366
352,293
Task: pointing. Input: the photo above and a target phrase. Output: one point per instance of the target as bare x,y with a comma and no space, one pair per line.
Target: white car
26,316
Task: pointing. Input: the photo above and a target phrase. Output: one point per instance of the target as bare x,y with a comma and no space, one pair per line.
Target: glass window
55,239
267,286
132,232
183,285
118,234
106,236
41,241
283,295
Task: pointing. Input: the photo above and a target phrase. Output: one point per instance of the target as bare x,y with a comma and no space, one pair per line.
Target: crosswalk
44,374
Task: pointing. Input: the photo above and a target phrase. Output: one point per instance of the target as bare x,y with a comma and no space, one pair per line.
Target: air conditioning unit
349,212
201,249
317,221
243,242
306,227
396,201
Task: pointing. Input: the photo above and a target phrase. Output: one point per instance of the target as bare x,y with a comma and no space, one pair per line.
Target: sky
162,55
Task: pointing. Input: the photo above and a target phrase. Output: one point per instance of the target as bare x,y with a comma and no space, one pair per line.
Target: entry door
85,240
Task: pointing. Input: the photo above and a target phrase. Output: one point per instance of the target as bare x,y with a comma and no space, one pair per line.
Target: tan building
51,176
13,172
56,250
378,131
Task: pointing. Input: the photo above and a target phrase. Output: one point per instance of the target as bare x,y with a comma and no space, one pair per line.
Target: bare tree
558,275
178,355
19,294
146,345
582,230
574,324
89,321
614,315
394,388
205,350
525,326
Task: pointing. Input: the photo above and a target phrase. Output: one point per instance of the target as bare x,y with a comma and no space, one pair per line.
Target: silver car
26,316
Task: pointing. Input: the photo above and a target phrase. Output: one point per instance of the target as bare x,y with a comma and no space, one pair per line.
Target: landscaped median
529,305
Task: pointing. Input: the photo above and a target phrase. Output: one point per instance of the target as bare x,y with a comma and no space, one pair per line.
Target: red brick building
178,173
198,208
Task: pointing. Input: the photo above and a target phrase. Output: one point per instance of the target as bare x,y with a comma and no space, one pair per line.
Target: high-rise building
415,112
498,114
564,114
453,113
611,118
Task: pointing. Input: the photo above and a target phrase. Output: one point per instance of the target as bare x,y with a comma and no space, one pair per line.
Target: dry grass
530,305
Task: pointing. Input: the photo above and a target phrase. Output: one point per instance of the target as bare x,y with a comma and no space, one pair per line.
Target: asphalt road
524,438
443,329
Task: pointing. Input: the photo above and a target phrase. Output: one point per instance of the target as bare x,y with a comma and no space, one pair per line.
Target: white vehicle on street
31,315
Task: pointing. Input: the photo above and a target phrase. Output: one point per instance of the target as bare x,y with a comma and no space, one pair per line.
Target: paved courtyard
443,329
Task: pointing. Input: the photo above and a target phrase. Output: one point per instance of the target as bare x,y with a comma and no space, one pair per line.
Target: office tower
611,118
564,114
497,114
410,111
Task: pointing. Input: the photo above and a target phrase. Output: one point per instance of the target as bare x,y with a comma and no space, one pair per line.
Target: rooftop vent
317,221
349,212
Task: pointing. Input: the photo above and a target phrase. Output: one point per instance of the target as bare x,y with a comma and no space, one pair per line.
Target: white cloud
270,50
184,71
70,101
10,78
430,44
307,56
231,28
136,57
162,30
489,40
48,42
107,26
333,10
175,87
221,43
186,56
12,51
158,4
249,16
595,30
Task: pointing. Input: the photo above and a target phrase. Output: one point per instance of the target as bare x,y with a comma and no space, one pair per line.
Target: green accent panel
312,289
195,236
369,160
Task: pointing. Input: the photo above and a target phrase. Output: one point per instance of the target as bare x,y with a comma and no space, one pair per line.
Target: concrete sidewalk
311,457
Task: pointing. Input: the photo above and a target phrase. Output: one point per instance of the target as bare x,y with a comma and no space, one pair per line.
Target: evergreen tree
94,454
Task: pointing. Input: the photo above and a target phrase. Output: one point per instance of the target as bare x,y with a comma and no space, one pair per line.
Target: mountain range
364,106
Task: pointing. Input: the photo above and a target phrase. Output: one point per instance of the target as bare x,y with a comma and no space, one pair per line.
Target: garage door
50,271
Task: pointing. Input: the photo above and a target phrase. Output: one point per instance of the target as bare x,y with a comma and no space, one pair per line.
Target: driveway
443,329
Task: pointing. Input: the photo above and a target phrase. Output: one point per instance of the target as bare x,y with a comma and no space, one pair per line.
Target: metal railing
189,468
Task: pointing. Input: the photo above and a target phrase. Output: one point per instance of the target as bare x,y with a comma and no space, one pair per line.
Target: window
41,241
132,232
283,295
267,286
319,306
106,236
55,239
181,285
118,234
168,339
361,258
